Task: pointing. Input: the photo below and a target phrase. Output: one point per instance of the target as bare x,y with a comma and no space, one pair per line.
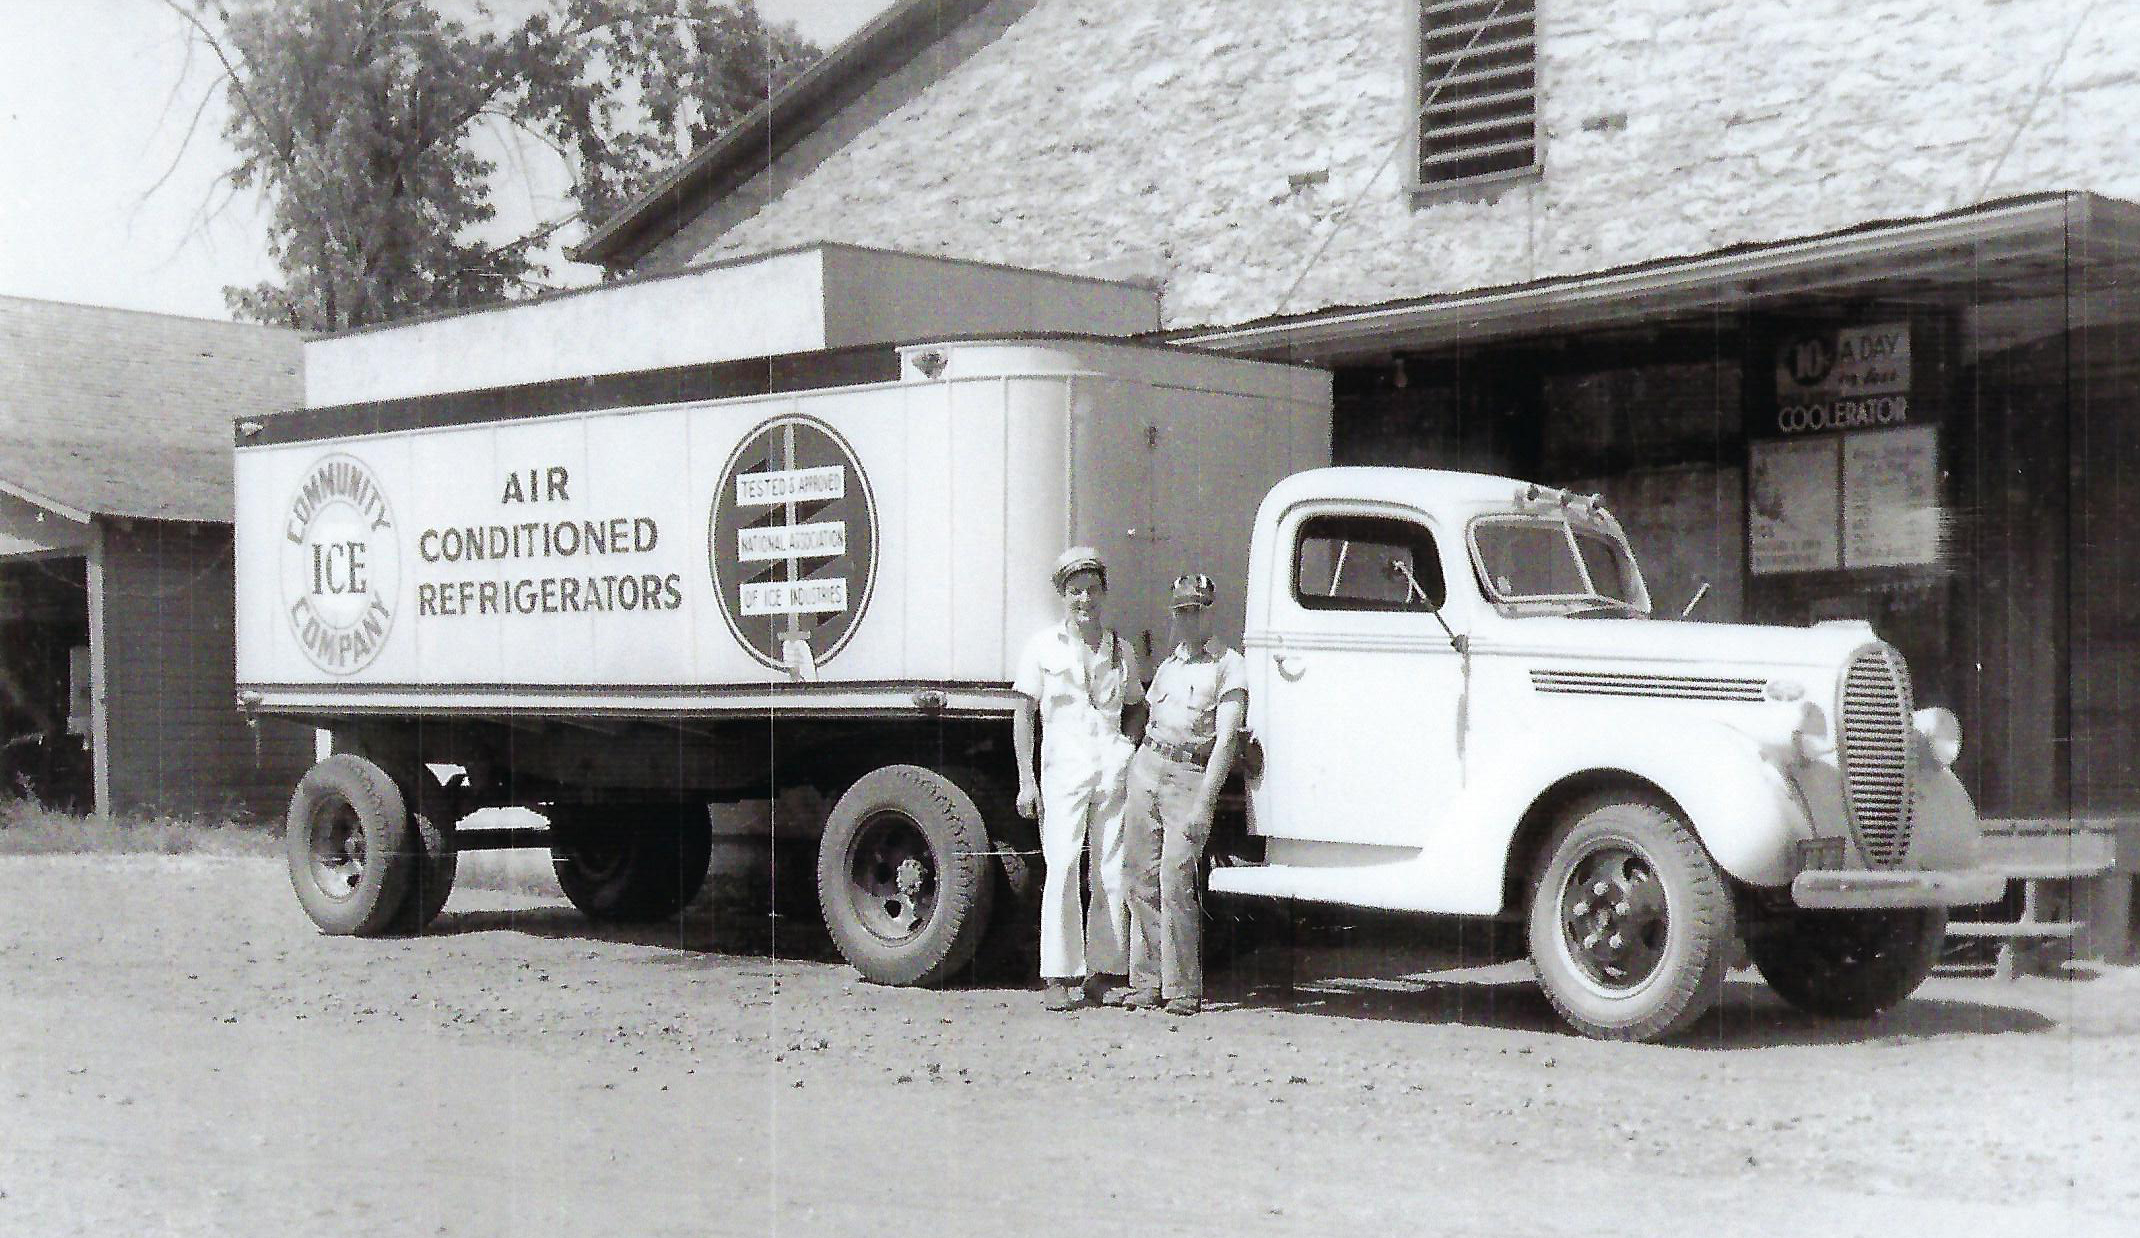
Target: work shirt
1081,693
1183,703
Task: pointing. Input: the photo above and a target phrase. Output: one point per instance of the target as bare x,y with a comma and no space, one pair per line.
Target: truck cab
1463,706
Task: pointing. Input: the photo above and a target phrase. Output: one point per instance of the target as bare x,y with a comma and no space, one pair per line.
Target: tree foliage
362,123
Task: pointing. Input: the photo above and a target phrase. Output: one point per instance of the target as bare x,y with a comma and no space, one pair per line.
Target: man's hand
1029,801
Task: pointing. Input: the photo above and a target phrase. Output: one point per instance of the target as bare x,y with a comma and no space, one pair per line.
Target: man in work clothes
1193,722
1077,678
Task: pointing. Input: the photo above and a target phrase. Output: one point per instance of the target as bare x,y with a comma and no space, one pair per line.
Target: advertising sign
1891,498
1852,378
1791,506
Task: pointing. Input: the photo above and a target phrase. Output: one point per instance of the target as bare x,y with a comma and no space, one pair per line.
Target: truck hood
1691,648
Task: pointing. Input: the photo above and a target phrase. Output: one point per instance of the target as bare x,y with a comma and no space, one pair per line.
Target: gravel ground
180,1053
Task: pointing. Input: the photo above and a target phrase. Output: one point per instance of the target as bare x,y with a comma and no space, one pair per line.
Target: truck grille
1873,732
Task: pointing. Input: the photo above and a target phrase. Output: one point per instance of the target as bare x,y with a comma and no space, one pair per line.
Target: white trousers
1082,815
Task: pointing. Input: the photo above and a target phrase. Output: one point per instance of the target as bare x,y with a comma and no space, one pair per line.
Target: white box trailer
619,615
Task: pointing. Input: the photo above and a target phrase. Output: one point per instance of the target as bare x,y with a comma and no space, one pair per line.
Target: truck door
1356,686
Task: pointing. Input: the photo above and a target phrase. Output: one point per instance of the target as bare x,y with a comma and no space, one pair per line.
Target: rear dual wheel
905,876
360,862
633,865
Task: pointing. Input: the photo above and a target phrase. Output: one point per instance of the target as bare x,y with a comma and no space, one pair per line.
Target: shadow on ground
1445,973
1349,968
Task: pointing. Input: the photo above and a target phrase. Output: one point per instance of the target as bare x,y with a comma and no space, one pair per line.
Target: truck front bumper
1852,889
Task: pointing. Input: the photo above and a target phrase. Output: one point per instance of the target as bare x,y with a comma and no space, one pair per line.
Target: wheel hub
337,851
1613,917
892,880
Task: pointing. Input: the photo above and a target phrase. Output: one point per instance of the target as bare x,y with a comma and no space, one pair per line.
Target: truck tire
905,878
1009,951
1234,926
1848,964
351,848
1630,924
430,879
633,867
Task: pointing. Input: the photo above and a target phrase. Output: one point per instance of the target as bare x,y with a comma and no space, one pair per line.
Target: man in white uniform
1078,678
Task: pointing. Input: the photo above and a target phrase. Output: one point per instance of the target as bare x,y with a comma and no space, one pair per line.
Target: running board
1390,886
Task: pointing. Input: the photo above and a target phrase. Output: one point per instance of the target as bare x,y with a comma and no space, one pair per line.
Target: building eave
2039,223
51,505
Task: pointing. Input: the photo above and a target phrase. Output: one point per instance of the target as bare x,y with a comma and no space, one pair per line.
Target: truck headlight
1942,732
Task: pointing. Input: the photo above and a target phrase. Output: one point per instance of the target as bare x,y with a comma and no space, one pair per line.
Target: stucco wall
1210,145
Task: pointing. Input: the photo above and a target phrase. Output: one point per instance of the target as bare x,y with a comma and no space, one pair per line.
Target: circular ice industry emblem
791,543
341,565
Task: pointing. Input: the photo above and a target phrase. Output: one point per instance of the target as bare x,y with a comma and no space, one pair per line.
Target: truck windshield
1523,560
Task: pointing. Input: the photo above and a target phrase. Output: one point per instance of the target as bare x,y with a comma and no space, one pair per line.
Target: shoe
1140,999
1184,1006
1061,995
1105,990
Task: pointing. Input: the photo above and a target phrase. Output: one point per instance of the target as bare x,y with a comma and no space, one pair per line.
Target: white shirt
1081,693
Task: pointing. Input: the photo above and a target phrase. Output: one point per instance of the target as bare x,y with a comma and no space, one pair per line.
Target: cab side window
1366,563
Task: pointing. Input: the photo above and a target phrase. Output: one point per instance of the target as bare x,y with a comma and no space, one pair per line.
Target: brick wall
1209,145
176,741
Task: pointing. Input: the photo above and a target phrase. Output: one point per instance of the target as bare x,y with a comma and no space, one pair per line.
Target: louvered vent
1478,89
1669,687
1874,729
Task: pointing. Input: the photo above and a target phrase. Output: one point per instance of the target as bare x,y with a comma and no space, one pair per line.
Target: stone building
1827,298
116,664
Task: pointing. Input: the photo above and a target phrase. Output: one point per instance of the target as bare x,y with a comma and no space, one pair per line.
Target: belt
1187,754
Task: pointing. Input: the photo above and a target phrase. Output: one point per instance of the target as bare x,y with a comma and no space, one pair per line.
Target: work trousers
1165,918
1081,816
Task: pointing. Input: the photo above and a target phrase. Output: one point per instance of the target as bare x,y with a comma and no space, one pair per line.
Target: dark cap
1193,591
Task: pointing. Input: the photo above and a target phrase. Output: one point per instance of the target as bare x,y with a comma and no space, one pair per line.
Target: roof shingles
119,413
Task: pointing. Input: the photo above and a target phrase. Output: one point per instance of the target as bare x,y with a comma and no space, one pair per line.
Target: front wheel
905,877
1630,923
1848,964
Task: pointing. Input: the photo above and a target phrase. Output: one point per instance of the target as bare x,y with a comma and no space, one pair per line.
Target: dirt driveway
180,1053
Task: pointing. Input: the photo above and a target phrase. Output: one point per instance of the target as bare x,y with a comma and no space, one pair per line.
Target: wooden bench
2050,864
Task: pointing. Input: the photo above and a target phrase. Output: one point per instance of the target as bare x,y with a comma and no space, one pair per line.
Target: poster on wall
1791,506
1891,511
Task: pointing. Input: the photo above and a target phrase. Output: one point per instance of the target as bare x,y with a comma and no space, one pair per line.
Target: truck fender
1738,802
1946,835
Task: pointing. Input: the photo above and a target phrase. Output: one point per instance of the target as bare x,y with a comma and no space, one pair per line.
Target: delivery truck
614,617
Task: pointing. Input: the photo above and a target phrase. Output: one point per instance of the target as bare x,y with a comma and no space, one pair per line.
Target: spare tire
905,878
350,847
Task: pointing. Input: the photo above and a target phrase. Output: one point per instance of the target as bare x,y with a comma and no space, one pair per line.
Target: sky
104,197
